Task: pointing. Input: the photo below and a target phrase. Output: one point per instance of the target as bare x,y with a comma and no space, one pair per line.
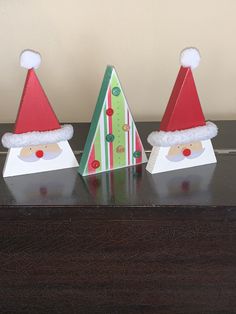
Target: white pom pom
190,57
30,59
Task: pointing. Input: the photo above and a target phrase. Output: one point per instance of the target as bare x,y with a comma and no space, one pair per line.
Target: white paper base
158,162
14,166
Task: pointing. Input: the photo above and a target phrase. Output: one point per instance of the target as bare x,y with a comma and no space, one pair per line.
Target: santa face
179,152
39,158
180,156
37,152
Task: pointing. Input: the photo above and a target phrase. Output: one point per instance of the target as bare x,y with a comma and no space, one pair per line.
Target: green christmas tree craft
113,141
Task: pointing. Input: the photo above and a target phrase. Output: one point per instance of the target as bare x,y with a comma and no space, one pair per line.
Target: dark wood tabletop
123,241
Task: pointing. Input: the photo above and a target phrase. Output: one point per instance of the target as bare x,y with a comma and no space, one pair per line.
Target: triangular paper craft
39,143
113,141
184,138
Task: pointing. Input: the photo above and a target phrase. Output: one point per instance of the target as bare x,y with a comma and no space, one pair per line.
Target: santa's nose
39,153
186,152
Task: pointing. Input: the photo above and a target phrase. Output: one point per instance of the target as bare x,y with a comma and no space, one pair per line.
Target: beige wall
142,38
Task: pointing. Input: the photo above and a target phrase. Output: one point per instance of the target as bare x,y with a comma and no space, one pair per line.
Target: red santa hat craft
183,120
36,122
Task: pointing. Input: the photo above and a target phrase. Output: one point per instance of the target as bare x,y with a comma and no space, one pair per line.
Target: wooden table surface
121,242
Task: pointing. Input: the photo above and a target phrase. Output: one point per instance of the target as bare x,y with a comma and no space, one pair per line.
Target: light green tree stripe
105,133
118,120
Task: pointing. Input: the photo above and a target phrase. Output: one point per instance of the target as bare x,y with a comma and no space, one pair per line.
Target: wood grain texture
159,266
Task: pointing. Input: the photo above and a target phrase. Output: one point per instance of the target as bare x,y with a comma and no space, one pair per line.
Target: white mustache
46,156
180,157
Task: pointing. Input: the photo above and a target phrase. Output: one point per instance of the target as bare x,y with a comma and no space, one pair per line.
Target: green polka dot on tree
116,91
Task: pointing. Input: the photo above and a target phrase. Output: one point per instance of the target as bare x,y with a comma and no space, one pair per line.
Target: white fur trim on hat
199,133
190,57
30,59
10,140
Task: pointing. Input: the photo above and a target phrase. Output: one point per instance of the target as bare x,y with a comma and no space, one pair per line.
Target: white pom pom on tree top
190,57
30,59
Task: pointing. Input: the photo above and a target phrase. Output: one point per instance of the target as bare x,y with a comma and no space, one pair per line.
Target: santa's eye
30,148
45,146
191,144
178,147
